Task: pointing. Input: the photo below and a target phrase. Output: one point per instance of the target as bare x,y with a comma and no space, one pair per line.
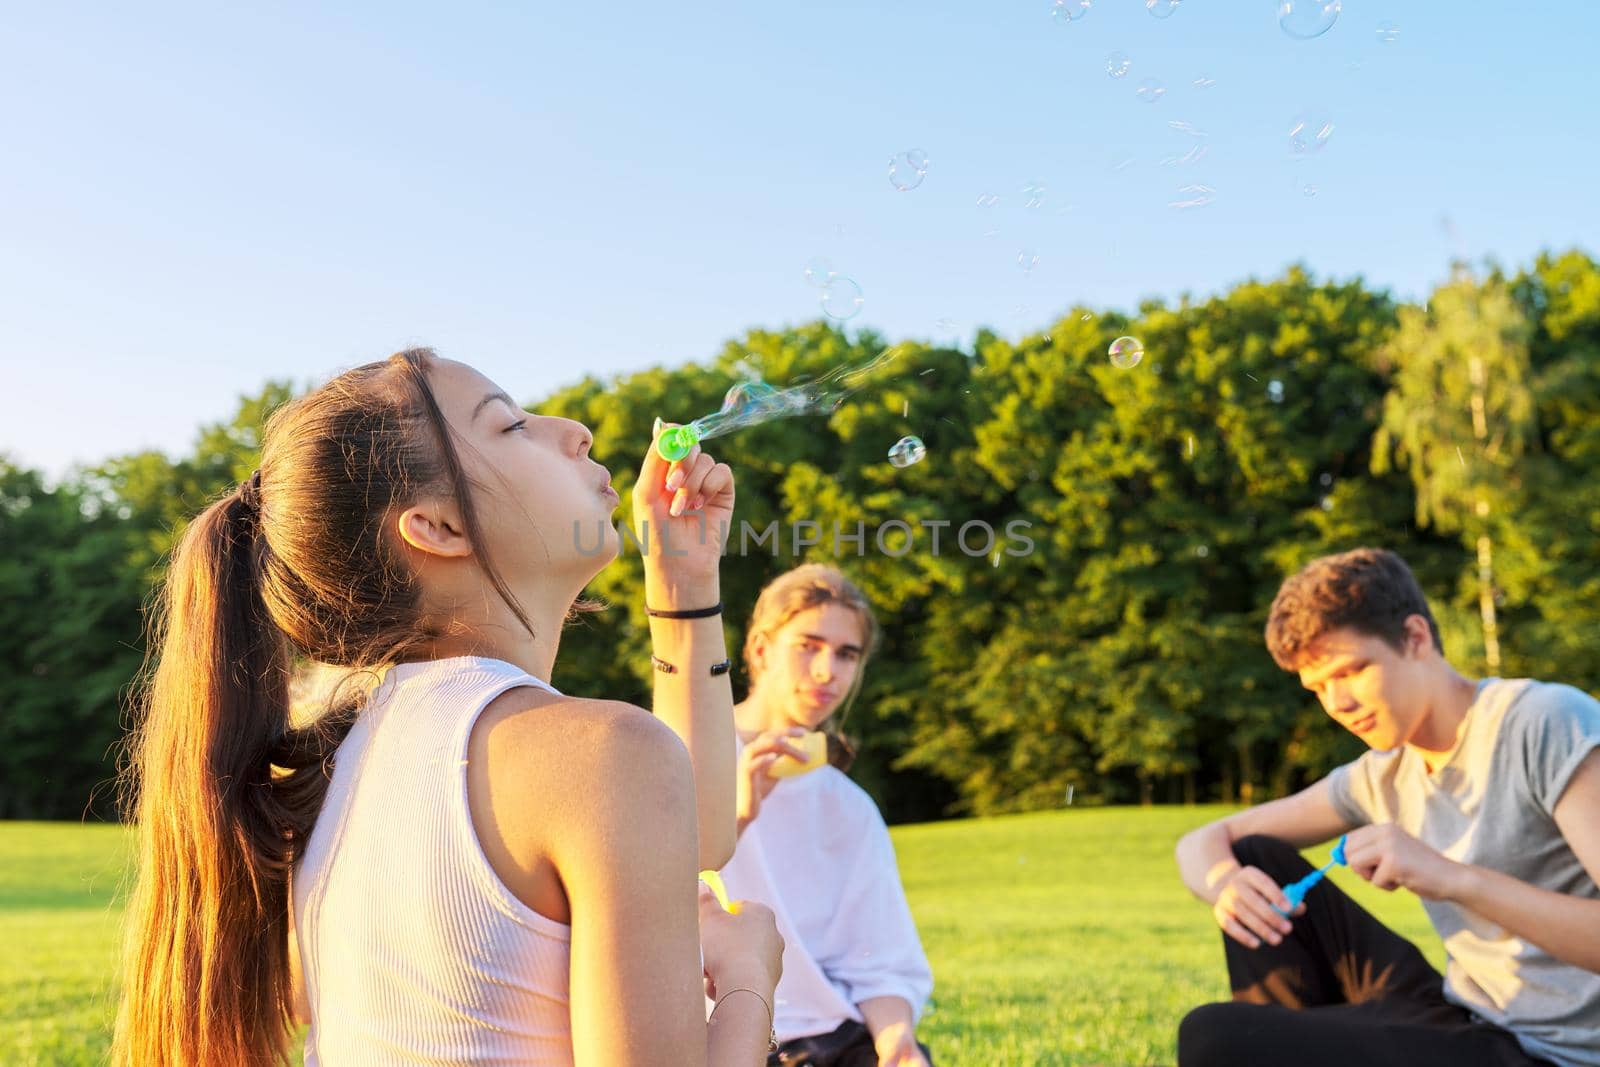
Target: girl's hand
682,550
740,948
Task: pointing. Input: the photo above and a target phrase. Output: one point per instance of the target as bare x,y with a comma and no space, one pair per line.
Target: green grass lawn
1056,938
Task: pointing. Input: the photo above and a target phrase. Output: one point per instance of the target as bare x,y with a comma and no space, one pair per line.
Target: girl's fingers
689,477
654,470
678,470
718,482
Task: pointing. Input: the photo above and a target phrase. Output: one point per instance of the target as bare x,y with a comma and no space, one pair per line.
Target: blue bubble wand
1296,891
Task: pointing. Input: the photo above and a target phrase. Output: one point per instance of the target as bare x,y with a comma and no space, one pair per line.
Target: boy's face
810,662
1367,686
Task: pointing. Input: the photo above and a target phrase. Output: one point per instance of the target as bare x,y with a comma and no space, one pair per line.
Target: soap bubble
907,451
819,272
946,324
1118,64
1193,196
1126,352
1275,391
907,169
1388,32
1027,259
1308,190
747,394
1309,131
841,298
1305,19
987,199
1202,551
1161,9
1203,82
1194,155
1033,194
1065,11
1150,90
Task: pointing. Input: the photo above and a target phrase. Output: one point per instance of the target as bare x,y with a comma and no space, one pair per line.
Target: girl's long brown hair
224,789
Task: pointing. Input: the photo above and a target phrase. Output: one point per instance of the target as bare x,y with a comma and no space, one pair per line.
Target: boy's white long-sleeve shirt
819,855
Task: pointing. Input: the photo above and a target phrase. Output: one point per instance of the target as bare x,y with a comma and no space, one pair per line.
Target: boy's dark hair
1370,590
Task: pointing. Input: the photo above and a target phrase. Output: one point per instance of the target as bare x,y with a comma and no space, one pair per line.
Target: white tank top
413,949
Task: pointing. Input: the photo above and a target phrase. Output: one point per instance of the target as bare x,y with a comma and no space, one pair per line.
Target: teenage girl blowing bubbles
462,865
812,844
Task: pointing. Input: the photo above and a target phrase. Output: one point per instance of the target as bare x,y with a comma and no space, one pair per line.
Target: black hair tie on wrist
691,613
720,667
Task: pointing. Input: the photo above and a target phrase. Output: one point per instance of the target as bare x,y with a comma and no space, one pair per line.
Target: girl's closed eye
515,426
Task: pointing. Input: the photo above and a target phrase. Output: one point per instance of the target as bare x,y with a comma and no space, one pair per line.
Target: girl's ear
759,645
433,530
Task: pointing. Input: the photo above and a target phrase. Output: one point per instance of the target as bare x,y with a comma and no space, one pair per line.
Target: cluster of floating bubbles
907,451
1126,352
1305,19
754,401
907,169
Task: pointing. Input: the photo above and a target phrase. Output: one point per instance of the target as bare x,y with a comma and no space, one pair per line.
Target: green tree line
1107,641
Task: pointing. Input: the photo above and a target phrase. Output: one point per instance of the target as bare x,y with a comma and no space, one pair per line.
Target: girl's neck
501,635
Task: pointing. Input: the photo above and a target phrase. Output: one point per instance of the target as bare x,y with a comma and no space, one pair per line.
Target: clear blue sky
193,201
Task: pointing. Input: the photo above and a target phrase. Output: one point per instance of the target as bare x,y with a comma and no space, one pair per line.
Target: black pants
848,1046
1341,990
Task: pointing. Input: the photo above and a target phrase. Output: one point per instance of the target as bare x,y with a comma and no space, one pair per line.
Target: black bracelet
720,667
692,613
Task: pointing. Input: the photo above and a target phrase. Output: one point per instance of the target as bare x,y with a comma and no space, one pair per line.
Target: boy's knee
1209,1036
1270,854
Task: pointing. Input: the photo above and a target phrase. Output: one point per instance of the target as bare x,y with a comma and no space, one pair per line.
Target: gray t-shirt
1490,804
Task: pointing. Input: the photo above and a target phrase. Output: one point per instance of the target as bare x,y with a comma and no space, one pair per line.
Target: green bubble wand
752,402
